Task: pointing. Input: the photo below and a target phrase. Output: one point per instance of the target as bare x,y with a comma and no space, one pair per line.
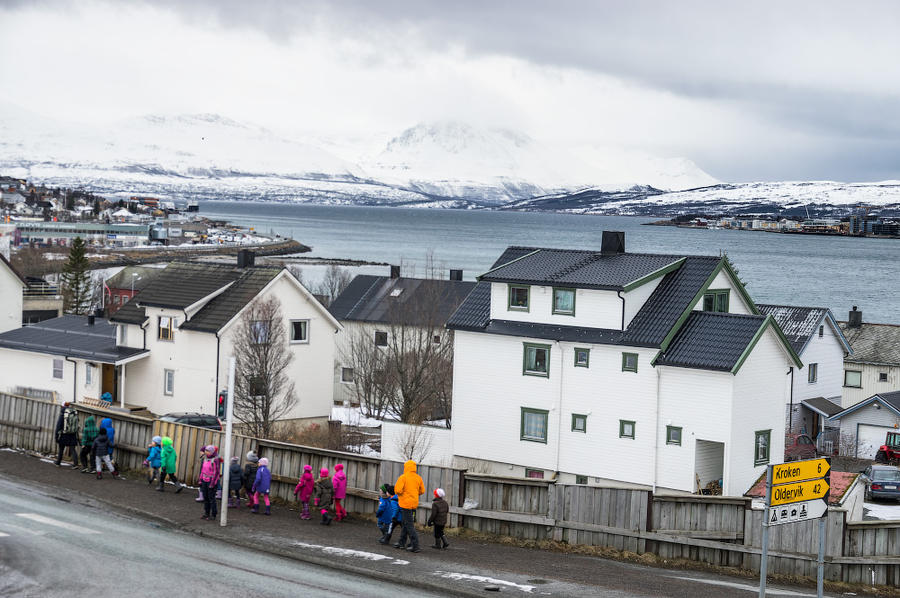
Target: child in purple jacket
261,486
304,490
339,481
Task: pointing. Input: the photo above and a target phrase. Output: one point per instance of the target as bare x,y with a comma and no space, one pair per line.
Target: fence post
461,495
552,509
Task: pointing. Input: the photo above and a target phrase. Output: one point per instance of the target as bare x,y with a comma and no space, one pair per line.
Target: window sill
758,463
536,374
522,309
306,342
538,440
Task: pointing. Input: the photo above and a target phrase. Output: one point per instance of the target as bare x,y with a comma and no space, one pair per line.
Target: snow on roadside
351,416
883,511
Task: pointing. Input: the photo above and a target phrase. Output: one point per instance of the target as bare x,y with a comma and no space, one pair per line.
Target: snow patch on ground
482,579
348,552
883,511
351,416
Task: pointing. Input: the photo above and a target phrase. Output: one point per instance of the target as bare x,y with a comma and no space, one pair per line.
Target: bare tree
333,284
413,443
371,386
264,392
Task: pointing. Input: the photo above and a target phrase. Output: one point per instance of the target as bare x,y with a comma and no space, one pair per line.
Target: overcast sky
756,91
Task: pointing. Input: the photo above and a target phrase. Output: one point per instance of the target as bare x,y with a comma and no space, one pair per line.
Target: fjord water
835,272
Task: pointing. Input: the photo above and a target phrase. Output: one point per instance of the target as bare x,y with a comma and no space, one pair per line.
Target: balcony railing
41,290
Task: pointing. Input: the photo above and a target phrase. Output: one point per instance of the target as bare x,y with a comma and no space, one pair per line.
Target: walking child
154,458
88,433
167,466
261,486
304,490
439,511
203,459
101,453
235,482
324,495
67,434
110,435
209,478
339,481
250,476
386,513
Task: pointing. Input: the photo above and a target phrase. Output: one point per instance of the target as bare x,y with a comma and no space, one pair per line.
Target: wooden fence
714,530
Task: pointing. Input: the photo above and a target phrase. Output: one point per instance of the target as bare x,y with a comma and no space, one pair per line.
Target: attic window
821,331
716,300
396,292
166,327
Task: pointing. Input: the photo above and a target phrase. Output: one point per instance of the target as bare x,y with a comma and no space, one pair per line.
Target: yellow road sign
790,493
798,471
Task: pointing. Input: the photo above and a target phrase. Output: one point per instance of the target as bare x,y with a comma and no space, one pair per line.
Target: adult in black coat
67,439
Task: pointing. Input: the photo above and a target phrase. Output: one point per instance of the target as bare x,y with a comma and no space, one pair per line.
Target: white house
186,319
11,286
874,365
613,367
864,426
816,337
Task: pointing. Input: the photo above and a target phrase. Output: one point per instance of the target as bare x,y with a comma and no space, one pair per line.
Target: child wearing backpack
88,433
304,490
439,511
101,453
324,495
261,486
339,481
167,466
250,476
209,479
154,458
386,513
235,482
67,434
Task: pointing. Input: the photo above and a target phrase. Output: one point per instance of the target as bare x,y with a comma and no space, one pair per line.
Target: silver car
882,481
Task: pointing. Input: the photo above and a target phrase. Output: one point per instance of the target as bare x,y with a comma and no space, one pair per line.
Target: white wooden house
11,286
874,365
864,425
614,367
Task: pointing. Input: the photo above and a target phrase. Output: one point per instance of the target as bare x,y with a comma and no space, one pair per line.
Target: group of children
326,493
388,516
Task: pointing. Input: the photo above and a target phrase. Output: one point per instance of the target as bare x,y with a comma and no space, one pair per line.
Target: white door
869,438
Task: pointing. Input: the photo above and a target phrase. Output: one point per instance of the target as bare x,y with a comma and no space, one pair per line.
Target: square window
537,474
165,328
259,332
564,302
534,425
582,358
716,300
579,423
256,386
626,429
852,379
58,369
518,298
813,374
761,444
673,435
629,362
347,375
436,339
299,331
581,479
536,360
169,382
380,338
882,377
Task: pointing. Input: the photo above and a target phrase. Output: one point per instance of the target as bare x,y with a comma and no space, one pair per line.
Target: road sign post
764,557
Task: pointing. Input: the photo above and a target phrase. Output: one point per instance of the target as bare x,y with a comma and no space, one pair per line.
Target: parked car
799,446
201,420
882,481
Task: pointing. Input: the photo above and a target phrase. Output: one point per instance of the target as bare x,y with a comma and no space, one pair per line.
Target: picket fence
715,530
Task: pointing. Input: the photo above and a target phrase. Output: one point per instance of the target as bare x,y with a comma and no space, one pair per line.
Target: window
380,338
813,374
673,435
629,362
579,423
58,369
256,386
716,300
299,331
436,339
123,334
537,474
582,357
166,327
761,444
536,360
259,332
534,425
882,377
821,331
518,298
626,429
581,479
88,374
564,302
852,379
115,299
347,375
169,382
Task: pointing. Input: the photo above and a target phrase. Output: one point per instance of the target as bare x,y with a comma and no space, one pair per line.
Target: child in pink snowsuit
304,490
209,478
340,491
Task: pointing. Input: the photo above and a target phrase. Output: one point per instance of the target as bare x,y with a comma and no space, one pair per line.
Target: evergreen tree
76,280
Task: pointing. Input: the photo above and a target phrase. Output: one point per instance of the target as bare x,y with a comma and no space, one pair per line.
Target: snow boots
268,510
326,518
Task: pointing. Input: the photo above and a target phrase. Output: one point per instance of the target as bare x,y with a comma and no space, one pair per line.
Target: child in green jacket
167,466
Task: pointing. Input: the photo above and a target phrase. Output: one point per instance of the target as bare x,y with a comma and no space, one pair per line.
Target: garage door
869,438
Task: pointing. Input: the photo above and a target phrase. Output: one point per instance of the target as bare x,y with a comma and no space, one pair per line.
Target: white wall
593,308
35,370
868,415
828,352
870,383
635,299
10,299
736,304
436,443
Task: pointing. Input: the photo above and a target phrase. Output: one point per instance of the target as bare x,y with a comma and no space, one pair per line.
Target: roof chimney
395,271
245,258
456,274
855,319
612,243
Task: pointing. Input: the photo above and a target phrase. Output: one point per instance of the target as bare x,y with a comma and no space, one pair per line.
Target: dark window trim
624,366
587,363
855,372
812,375
669,438
510,306
529,410
882,376
553,299
715,294
576,416
756,436
525,370
622,434
377,332
529,471
581,480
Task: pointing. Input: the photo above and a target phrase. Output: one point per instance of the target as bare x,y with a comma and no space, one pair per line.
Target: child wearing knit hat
250,468
339,481
261,486
324,495
304,490
439,511
154,458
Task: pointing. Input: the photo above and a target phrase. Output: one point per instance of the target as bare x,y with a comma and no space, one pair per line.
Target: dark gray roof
578,268
892,400
381,299
823,405
218,312
145,275
575,334
183,284
873,343
797,323
711,341
70,336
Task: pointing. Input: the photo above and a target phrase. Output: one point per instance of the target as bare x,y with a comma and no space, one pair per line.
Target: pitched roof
890,399
712,341
823,406
71,336
873,343
218,312
578,268
123,280
799,323
182,284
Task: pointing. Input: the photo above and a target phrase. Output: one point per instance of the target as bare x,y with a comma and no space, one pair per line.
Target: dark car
200,420
799,446
882,481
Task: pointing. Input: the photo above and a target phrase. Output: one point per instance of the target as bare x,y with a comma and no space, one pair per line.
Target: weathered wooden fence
715,530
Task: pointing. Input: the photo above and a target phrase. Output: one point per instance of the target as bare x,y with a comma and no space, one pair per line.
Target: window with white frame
169,382
58,368
347,375
166,328
299,331
813,374
88,374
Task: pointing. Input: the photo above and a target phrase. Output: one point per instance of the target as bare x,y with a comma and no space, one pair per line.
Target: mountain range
435,164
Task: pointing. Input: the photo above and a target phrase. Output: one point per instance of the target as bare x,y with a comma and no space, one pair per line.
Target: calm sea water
789,269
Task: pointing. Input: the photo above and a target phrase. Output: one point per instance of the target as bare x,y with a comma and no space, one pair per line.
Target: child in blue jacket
154,458
387,512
